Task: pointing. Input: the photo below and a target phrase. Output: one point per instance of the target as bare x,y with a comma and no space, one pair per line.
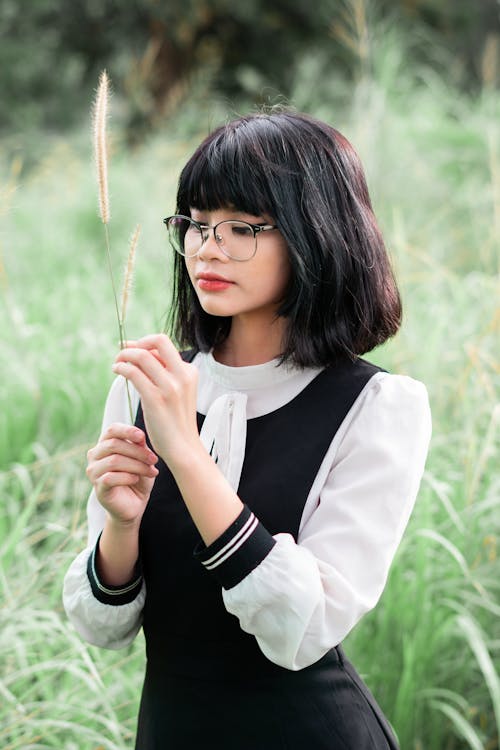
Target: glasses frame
204,234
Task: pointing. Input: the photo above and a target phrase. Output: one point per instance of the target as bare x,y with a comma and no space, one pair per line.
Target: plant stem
121,327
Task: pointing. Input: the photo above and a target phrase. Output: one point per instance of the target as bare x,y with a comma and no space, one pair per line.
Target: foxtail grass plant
129,274
99,121
100,139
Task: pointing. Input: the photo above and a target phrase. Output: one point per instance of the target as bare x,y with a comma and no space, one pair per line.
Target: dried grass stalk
100,113
129,272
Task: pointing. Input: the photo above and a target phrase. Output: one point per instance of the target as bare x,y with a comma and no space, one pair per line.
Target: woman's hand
168,389
122,469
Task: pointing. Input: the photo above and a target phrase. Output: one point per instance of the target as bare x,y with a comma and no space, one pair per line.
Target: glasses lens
184,235
237,239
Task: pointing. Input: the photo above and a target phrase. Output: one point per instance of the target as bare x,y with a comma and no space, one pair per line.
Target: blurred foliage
51,50
431,151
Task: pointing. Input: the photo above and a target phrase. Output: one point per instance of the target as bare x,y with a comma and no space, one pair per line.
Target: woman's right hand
122,469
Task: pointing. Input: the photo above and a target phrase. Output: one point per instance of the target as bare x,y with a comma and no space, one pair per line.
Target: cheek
283,272
270,283
189,264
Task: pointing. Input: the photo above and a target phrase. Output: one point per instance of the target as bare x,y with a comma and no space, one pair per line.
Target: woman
248,519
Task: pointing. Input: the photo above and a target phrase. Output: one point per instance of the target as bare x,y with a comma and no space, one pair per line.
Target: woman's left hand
168,389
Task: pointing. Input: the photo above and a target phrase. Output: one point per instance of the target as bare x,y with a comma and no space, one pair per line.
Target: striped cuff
239,550
112,594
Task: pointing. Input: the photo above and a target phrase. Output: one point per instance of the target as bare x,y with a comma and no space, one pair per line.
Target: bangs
224,172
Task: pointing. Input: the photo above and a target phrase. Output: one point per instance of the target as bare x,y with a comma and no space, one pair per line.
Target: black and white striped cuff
239,550
112,594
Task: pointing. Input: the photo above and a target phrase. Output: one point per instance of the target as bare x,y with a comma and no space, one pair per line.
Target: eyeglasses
236,239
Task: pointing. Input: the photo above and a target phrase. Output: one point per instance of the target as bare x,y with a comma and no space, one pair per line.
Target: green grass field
431,649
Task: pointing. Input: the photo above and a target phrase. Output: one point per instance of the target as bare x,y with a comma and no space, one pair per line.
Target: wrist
113,581
185,457
117,552
120,528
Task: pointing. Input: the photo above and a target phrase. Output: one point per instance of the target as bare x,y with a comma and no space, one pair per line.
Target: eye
242,230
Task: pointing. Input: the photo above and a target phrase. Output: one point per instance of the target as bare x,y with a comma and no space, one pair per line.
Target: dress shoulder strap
189,354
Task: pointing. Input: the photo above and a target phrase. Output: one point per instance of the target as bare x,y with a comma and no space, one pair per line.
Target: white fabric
224,434
303,598
105,625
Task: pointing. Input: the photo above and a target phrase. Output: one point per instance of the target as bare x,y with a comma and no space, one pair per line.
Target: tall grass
431,649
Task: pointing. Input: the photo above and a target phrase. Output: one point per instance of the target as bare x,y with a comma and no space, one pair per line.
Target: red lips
212,277
212,282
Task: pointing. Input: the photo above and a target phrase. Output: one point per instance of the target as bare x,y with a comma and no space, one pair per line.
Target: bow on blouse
224,433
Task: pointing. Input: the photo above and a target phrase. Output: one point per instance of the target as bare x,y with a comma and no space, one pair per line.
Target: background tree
51,50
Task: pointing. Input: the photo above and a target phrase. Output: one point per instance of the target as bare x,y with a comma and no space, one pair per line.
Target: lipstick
210,282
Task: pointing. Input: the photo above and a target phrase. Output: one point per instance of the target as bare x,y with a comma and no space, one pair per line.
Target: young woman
248,519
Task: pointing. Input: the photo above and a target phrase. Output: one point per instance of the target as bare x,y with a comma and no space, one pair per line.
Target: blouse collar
249,377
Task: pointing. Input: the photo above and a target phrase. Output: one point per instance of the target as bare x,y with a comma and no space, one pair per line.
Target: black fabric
246,557
327,707
203,553
107,594
206,679
189,354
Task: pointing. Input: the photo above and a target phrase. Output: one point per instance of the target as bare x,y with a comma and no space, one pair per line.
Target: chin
216,309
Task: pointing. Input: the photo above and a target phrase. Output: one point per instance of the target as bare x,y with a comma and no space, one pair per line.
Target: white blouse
304,597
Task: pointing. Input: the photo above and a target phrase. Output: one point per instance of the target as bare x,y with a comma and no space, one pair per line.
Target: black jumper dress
207,684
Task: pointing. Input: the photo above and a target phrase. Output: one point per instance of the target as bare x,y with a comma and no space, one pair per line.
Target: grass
431,649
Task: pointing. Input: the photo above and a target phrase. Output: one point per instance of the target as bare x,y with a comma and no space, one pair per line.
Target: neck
250,343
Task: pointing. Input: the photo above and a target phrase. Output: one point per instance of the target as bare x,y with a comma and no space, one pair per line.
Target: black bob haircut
342,299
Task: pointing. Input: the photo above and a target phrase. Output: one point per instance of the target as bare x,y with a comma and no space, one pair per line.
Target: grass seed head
129,272
100,113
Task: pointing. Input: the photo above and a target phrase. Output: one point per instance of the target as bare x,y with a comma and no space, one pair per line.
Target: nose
211,248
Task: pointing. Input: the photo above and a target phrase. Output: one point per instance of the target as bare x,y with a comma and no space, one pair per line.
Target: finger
125,432
145,361
135,345
123,463
124,448
116,463
167,351
117,479
97,476
146,388
154,352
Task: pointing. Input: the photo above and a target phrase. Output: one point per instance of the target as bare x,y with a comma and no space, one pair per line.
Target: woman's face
227,287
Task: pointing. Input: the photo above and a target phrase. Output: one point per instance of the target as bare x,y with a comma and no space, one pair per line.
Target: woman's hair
342,299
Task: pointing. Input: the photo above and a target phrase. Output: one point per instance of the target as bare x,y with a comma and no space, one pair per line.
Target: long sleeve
301,599
105,616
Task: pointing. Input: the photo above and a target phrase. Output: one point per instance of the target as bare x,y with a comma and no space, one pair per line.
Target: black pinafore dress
207,684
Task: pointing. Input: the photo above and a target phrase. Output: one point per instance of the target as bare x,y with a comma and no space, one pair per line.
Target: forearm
118,552
210,499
